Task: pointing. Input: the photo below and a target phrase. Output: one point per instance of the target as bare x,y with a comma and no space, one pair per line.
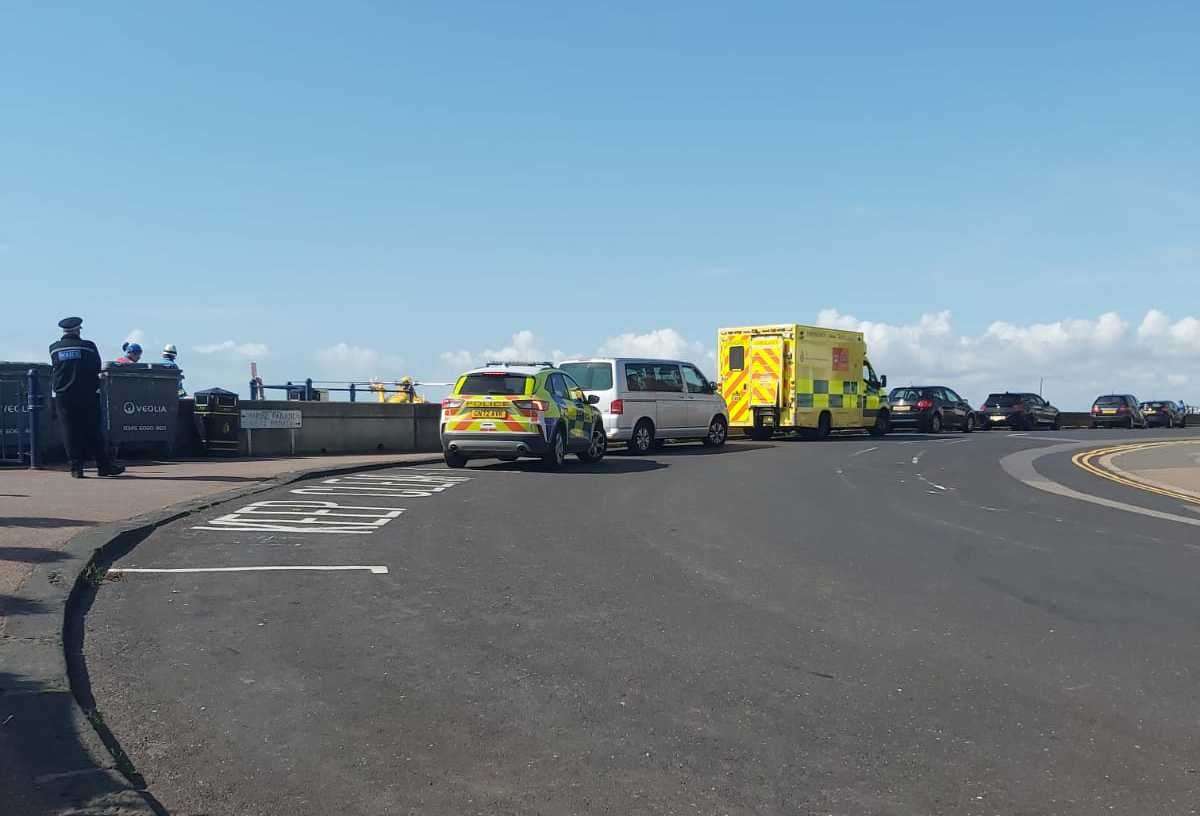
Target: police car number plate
489,413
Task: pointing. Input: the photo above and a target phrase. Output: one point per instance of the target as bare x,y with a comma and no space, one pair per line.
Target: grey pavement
855,626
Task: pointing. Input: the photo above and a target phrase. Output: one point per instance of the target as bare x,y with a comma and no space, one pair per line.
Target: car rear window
498,384
906,394
1003,400
1110,400
591,376
1155,405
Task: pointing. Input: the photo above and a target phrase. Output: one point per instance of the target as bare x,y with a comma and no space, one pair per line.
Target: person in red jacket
132,355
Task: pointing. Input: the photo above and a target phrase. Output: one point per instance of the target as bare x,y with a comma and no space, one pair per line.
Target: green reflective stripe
804,400
835,400
820,386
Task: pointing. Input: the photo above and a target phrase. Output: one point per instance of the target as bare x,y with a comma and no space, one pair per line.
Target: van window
653,377
590,376
737,358
696,384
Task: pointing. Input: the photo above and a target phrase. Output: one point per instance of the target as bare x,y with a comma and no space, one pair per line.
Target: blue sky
391,188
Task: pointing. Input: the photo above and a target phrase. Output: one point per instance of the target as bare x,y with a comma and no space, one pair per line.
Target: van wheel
454,460
718,432
642,440
554,458
824,426
597,447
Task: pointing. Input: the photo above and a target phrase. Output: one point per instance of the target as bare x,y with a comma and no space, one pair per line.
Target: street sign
257,419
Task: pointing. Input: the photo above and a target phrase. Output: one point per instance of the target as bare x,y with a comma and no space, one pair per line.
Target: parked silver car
646,402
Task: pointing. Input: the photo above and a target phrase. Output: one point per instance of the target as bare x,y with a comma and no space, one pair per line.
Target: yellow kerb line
1085,461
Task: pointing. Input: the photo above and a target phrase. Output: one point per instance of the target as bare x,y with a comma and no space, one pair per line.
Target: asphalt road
848,627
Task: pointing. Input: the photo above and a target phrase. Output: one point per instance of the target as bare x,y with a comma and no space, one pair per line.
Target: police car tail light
451,404
530,408
617,407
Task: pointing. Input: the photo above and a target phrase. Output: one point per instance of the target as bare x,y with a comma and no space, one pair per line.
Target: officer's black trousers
81,429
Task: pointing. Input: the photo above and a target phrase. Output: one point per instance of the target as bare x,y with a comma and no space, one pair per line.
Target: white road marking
931,484
303,517
389,485
373,569
917,458
864,450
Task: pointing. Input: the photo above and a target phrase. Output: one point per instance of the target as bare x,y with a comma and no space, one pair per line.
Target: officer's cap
70,323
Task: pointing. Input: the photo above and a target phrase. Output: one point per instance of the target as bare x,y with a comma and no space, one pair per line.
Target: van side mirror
593,399
883,381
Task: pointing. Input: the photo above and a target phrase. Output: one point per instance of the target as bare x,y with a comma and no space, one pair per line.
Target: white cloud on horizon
136,336
1077,358
247,350
343,361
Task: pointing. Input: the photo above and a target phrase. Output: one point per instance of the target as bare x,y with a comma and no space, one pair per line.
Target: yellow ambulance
800,378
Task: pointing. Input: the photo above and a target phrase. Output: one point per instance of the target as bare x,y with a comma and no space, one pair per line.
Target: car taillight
1095,409
924,404
1124,409
617,407
530,407
451,404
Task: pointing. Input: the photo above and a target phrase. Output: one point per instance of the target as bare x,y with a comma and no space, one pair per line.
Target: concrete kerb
97,777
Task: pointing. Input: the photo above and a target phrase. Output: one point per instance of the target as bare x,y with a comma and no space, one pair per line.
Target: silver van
646,402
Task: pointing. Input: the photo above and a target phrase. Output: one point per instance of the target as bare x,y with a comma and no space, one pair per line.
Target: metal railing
310,389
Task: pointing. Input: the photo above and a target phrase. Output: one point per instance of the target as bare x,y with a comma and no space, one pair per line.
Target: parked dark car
1117,411
1164,413
1020,411
930,408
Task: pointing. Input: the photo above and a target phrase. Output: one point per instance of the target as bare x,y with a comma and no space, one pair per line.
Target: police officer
76,381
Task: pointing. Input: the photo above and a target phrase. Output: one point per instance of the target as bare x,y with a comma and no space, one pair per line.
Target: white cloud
235,348
136,336
343,361
666,343
523,345
1077,358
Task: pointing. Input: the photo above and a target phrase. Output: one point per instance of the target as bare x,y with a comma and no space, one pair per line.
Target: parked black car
930,408
1117,411
1164,413
1019,411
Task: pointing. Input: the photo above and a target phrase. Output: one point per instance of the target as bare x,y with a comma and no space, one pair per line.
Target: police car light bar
518,363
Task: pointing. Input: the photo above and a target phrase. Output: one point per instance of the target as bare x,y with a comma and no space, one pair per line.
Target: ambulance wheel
454,460
761,434
597,447
881,424
556,456
824,426
642,441
718,432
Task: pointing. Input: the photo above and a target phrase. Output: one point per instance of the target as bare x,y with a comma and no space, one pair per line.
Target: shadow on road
608,466
13,605
32,555
43,522
214,478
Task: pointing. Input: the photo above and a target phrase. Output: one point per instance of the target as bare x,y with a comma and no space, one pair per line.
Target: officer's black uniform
76,383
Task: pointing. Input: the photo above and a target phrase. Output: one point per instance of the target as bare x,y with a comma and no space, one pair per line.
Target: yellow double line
1087,459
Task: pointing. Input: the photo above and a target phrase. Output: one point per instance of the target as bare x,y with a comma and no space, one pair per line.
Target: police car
510,411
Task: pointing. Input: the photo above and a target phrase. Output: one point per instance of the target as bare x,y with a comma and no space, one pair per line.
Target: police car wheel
454,460
643,438
597,447
718,432
556,456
